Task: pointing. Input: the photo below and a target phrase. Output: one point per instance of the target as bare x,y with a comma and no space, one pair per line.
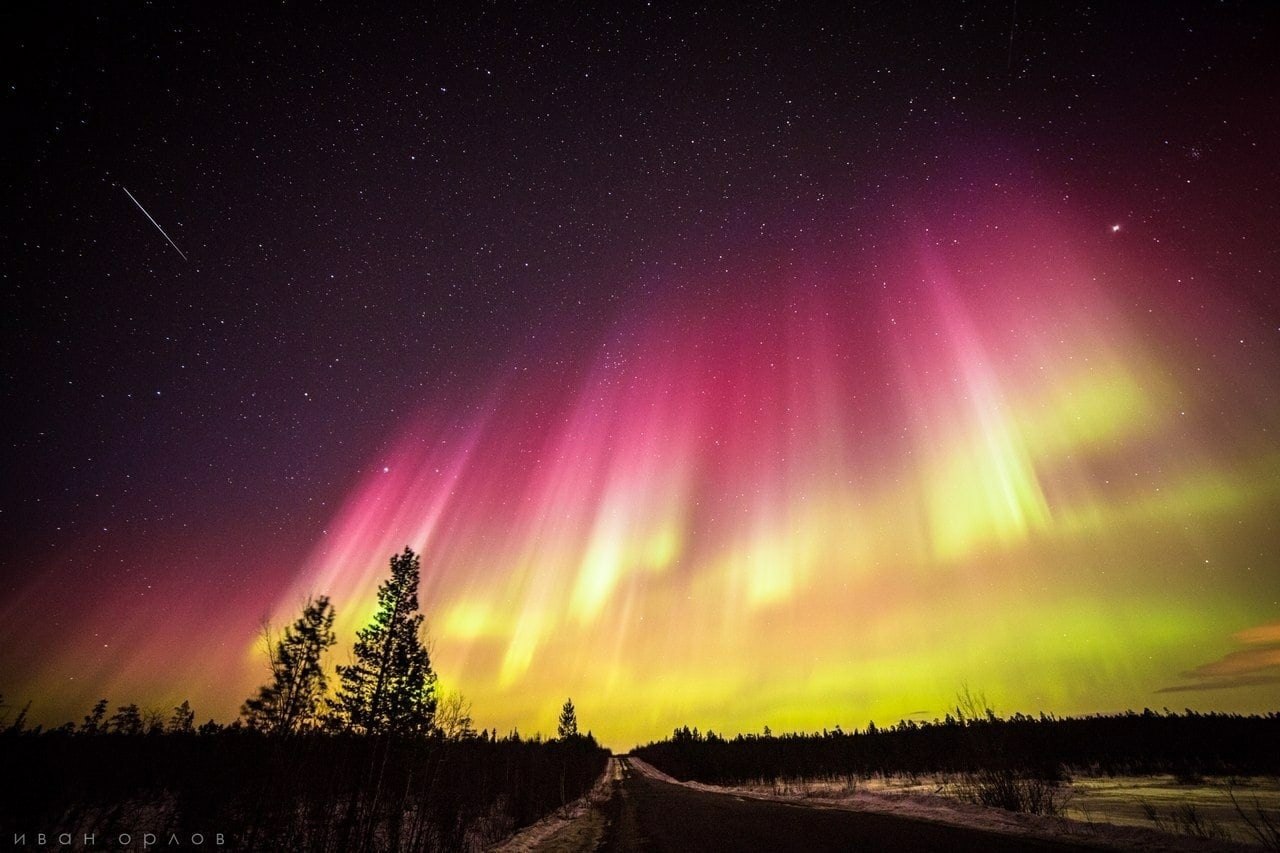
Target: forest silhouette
384,762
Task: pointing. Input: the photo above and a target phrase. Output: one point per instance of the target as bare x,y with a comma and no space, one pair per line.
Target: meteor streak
153,221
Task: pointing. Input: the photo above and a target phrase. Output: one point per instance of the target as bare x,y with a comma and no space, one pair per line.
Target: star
1115,228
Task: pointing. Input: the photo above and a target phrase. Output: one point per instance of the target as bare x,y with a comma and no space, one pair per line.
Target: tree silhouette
453,717
19,723
298,684
567,727
183,720
127,720
153,721
93,721
390,688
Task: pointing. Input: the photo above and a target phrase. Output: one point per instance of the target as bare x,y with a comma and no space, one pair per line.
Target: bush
1185,819
1004,789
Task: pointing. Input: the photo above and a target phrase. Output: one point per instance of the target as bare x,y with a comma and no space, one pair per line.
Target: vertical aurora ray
976,477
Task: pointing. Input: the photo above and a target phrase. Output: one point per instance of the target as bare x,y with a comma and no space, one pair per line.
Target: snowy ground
1106,811
1125,800
1132,800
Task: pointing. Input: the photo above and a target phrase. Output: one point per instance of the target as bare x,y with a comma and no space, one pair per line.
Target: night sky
728,367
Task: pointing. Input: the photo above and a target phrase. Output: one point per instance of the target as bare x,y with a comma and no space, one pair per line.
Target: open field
1128,800
1200,809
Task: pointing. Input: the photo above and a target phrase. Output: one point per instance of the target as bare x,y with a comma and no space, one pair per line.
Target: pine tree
390,687
568,724
93,721
291,702
127,720
183,720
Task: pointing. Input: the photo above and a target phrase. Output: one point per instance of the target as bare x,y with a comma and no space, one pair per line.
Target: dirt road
652,815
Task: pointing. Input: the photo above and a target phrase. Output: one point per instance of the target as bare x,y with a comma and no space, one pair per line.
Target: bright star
1115,228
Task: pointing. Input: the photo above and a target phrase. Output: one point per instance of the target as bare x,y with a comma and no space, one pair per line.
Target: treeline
383,762
1044,747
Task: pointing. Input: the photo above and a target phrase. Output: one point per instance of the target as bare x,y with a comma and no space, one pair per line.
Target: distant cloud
1258,663
1222,683
1269,633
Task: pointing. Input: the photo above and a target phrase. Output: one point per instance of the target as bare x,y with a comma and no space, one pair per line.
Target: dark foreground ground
647,814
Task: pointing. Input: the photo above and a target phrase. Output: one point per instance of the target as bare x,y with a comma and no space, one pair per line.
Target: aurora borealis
840,508
991,399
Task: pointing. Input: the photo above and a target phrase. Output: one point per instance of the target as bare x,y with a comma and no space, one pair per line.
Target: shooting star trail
153,221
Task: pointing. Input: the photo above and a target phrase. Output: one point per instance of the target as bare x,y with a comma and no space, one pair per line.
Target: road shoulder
580,825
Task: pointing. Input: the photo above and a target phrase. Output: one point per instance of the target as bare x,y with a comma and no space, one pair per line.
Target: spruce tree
291,702
567,727
389,688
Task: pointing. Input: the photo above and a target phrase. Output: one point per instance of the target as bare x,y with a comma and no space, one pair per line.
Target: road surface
651,815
